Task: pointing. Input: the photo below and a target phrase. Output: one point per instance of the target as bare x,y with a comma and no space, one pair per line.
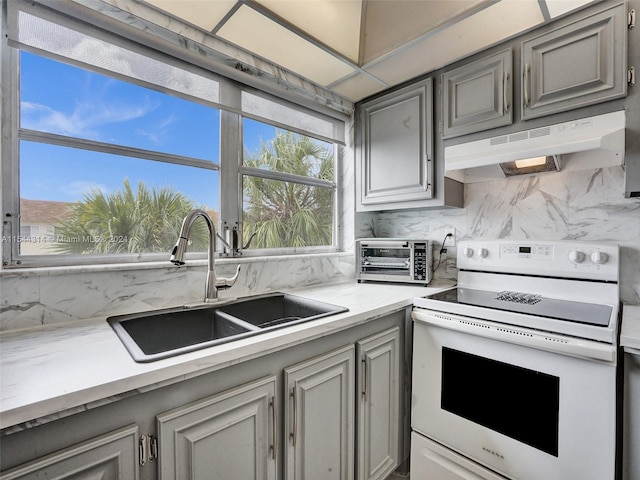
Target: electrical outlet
450,241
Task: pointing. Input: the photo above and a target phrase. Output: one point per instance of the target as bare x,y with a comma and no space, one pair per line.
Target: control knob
599,258
482,252
468,252
576,256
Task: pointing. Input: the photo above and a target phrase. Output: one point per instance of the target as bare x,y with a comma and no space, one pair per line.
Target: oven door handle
517,335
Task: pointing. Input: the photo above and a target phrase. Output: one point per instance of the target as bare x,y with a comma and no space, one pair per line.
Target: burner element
519,297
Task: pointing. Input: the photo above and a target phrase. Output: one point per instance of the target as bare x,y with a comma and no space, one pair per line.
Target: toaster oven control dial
576,256
599,258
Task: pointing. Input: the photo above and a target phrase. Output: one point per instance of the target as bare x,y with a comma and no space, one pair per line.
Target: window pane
270,148
286,214
62,99
66,42
88,202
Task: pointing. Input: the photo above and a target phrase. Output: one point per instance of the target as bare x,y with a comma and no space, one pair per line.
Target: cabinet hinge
440,127
631,77
631,19
147,449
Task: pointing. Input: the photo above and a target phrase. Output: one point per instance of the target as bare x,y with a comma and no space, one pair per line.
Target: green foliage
125,221
288,214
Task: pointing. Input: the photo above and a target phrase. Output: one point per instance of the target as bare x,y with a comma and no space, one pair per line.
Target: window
288,188
115,143
110,166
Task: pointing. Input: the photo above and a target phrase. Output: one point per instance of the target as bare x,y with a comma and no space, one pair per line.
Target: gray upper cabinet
576,65
229,435
478,96
396,140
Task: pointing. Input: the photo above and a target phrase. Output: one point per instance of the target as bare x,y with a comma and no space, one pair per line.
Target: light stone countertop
54,371
630,332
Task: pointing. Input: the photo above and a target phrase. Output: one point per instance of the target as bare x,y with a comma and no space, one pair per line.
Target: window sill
199,262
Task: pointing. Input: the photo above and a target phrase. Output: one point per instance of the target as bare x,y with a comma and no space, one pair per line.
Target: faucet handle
223,283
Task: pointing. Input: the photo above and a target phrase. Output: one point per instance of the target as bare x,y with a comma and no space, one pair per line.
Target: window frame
230,167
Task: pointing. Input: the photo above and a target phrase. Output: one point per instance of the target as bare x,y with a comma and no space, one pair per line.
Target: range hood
586,143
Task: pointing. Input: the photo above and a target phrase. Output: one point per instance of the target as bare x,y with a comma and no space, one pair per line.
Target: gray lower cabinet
578,64
478,96
319,417
379,417
112,456
395,140
293,414
225,436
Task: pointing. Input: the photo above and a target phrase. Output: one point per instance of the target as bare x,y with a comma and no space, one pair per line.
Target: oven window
515,401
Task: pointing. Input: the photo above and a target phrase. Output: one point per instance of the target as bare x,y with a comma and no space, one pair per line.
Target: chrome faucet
213,284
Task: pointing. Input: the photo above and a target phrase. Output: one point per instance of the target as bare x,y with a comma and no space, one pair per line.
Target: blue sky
58,98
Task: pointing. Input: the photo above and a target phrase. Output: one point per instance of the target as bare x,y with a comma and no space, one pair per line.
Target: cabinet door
397,148
112,456
478,96
319,417
379,420
225,436
576,65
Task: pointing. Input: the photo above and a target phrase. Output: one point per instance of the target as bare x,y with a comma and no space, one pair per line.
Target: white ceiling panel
336,23
391,24
358,86
204,14
254,32
459,40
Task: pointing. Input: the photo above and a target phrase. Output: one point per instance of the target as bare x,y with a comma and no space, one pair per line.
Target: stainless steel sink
158,334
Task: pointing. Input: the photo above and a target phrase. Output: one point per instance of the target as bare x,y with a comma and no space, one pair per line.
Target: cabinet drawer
112,456
430,460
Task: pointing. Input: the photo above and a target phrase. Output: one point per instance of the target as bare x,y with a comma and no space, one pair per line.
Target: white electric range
515,371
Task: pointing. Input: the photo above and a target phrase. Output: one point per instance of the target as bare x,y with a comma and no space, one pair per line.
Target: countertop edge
20,410
630,331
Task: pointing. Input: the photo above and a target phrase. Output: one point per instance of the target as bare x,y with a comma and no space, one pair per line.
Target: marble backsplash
33,299
585,205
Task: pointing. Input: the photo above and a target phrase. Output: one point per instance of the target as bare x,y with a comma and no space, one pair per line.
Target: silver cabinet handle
526,85
294,430
274,425
364,379
505,88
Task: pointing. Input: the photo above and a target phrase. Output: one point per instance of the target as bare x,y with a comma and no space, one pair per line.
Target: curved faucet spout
180,248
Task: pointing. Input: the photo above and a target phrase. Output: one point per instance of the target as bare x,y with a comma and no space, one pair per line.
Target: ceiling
356,48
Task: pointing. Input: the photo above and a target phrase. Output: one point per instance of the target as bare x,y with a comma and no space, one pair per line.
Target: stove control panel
563,258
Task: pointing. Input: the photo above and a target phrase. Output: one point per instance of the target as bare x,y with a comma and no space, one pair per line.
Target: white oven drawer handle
517,335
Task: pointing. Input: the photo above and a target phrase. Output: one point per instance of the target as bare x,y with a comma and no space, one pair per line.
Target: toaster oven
393,260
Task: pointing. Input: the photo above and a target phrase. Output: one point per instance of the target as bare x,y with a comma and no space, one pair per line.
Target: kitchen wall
585,205
47,296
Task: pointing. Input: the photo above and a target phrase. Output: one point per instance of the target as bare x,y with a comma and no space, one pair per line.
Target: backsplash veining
586,205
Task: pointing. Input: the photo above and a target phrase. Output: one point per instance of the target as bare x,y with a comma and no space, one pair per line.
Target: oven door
501,397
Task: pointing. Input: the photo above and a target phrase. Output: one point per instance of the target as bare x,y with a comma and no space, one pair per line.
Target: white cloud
83,187
84,121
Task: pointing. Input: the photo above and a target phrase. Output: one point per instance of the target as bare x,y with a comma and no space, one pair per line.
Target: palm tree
146,221
284,213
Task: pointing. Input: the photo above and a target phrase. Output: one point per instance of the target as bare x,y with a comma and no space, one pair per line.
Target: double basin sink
158,334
